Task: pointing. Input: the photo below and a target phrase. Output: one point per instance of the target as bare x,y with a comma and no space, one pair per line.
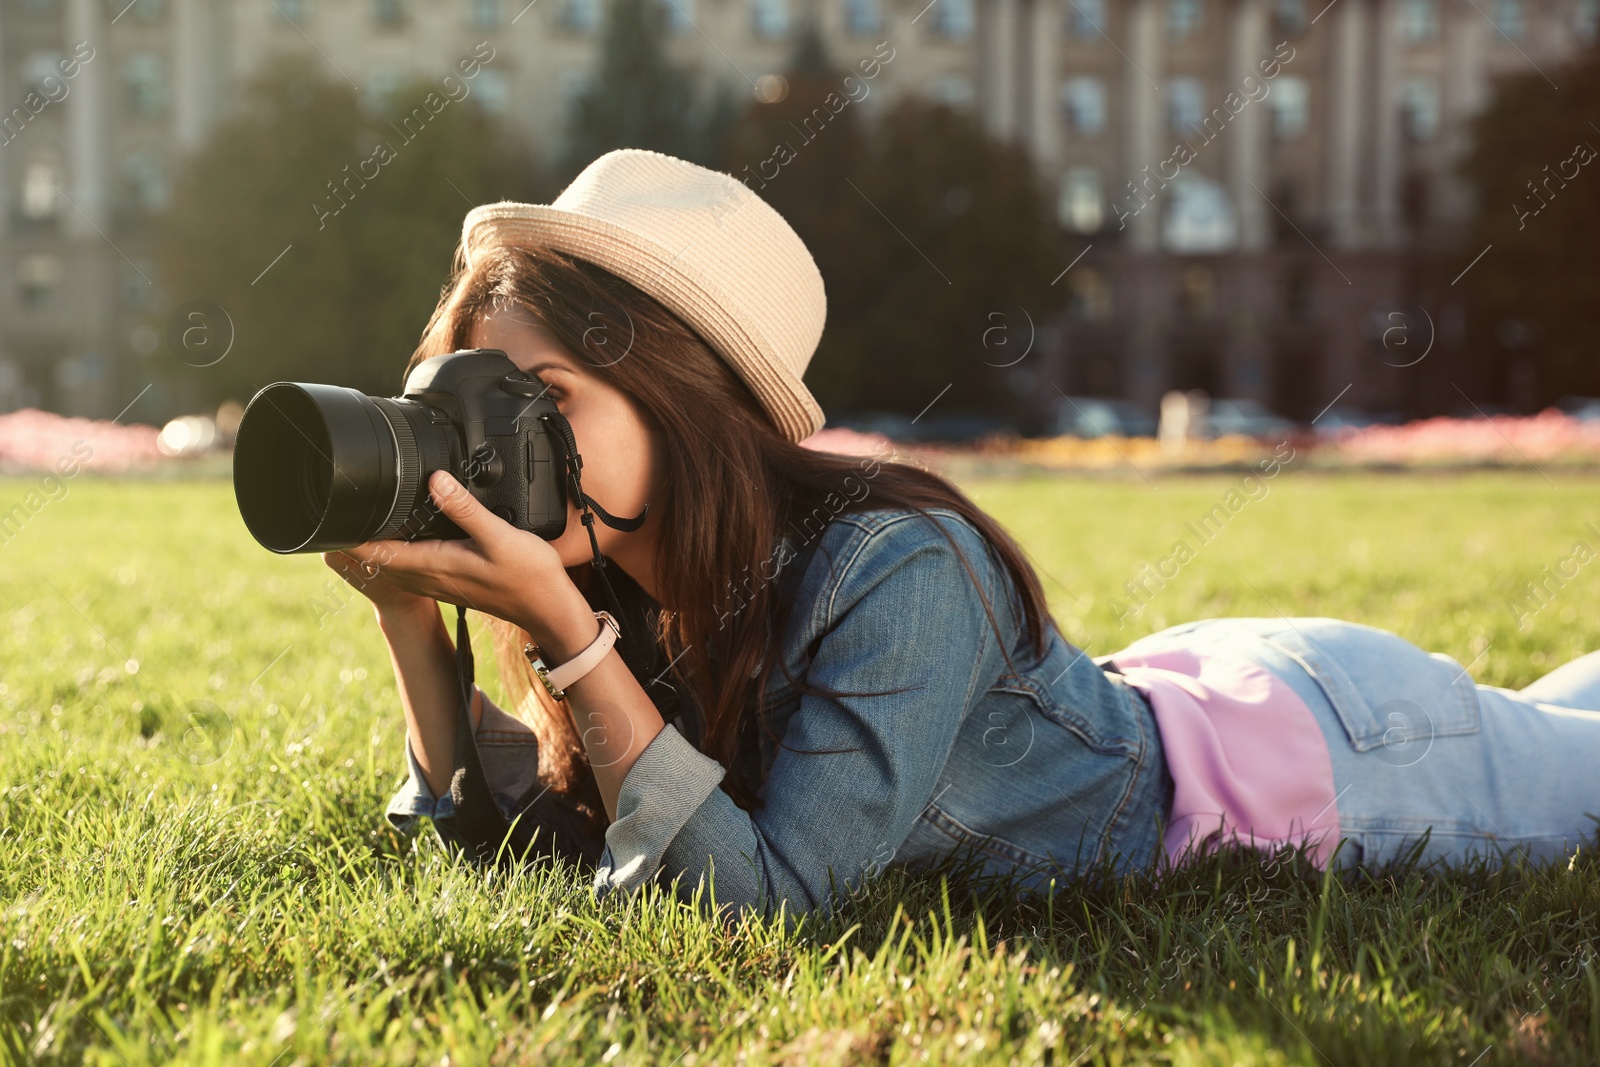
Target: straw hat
705,246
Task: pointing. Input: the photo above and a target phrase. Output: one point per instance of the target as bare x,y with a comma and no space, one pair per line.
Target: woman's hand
500,570
367,577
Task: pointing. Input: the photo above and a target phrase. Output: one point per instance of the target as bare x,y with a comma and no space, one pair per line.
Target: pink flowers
34,440
1496,438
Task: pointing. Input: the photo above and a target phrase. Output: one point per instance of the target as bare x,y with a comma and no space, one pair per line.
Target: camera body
486,415
324,467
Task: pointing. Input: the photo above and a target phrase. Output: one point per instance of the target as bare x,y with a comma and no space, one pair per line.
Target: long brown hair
735,485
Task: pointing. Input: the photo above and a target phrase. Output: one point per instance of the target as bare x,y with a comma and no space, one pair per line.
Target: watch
556,680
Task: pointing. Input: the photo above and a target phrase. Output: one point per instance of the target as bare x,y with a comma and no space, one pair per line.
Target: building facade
1253,180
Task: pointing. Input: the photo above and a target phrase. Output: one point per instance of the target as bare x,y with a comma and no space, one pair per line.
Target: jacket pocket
1386,691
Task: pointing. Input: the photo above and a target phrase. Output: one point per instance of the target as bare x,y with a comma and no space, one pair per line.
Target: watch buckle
535,659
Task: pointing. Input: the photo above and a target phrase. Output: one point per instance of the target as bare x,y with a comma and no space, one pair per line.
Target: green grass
196,742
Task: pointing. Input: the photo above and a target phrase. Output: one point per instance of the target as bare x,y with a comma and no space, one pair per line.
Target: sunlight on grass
198,738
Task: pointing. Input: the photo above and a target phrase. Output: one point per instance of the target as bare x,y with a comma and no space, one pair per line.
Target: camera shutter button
505,513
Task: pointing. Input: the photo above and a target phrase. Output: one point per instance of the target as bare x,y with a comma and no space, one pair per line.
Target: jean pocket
1386,691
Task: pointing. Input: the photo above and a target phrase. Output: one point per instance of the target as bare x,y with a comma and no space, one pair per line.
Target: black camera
323,467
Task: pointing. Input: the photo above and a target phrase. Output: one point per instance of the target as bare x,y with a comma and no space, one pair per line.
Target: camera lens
322,467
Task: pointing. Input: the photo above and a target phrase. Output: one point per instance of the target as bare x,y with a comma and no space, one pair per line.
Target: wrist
565,625
423,614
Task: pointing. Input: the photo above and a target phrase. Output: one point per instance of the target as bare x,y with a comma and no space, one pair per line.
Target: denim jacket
1045,772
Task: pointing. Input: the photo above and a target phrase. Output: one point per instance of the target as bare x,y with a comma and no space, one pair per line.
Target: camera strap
542,823
479,817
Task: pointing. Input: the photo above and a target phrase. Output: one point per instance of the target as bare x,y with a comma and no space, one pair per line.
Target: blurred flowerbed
33,440
1500,440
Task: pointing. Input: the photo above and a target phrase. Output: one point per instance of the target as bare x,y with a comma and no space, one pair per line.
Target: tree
324,231
933,240
637,97
1535,172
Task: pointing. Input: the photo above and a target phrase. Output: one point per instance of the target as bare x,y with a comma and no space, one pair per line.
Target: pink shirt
1249,762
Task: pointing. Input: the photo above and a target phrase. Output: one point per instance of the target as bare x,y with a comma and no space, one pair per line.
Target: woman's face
621,451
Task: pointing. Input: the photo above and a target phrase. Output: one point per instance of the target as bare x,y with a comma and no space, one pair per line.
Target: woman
860,663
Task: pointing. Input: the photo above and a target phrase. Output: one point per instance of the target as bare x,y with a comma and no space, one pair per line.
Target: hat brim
653,269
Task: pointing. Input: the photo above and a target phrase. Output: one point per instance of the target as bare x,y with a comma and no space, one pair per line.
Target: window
1089,298
1290,102
41,71
135,283
1086,19
1197,292
1297,294
1419,21
10,384
580,16
680,15
39,197
1184,105
1183,17
862,17
382,84
38,278
484,14
574,86
1080,203
769,18
1083,103
388,13
952,90
491,91
1586,20
1416,195
1419,108
147,10
144,81
1289,16
292,11
1508,18
144,180
953,19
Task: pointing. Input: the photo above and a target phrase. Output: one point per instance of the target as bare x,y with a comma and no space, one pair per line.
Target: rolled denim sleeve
509,751
662,791
853,772
415,798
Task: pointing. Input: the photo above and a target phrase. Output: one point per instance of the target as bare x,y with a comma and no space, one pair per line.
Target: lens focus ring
408,467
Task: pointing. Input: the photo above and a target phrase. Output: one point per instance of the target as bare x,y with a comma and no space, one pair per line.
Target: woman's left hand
498,569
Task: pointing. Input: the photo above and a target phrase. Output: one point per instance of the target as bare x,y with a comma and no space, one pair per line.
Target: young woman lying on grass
863,665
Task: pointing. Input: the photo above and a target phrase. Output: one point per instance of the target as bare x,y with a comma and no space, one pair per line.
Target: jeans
1422,756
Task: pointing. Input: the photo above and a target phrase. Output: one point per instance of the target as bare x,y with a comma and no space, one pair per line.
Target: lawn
197,739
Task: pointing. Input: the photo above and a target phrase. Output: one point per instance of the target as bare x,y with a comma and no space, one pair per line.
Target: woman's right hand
389,599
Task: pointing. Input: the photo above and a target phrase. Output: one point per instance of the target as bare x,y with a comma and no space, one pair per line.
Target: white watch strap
581,664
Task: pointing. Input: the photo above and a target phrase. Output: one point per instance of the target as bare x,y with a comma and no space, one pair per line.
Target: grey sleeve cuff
415,798
509,752
664,787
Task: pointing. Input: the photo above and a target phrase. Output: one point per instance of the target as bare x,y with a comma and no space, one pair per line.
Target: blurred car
1585,408
1348,417
892,424
948,427
1090,416
1247,418
960,427
1480,409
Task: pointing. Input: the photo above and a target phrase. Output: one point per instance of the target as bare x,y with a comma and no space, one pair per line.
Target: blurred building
1242,266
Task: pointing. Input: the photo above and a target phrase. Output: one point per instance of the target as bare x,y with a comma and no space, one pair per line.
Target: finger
345,564
371,557
463,509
